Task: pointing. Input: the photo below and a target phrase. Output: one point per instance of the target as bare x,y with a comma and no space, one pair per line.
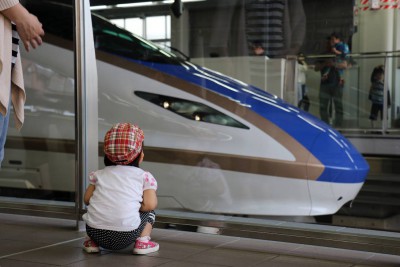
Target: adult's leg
3,132
374,112
299,95
338,100
324,97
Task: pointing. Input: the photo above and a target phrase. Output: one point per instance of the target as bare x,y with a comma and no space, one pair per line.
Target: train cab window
191,110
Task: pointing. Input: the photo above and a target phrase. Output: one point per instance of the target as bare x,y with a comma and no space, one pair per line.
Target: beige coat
7,77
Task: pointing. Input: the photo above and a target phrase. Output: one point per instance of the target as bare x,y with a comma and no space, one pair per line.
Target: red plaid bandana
123,143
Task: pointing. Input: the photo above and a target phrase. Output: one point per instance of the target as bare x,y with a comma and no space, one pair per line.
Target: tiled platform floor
41,242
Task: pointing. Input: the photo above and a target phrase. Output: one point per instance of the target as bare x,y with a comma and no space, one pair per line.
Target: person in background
258,48
341,50
121,198
302,68
331,92
16,23
376,93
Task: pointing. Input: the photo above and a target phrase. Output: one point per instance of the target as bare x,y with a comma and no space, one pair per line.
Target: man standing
331,88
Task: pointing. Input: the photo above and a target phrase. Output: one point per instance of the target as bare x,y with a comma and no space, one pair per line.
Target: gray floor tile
291,261
331,253
8,247
158,234
17,263
53,235
189,264
229,257
59,255
13,231
355,257
178,250
261,245
120,259
383,260
201,239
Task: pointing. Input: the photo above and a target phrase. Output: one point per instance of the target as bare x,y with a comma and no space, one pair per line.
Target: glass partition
222,132
184,102
39,167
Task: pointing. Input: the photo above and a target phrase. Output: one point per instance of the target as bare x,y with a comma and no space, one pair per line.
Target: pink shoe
90,247
145,247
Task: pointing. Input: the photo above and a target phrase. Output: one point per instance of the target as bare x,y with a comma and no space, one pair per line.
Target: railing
359,115
279,76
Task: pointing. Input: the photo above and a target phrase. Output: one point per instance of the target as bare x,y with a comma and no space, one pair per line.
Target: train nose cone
343,163
343,176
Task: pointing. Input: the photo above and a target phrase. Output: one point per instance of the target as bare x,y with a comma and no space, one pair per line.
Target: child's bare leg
147,230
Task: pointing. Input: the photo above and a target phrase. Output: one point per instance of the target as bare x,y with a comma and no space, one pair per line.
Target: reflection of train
215,144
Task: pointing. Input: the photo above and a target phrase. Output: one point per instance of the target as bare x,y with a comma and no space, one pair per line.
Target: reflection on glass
134,25
155,27
119,22
359,111
40,159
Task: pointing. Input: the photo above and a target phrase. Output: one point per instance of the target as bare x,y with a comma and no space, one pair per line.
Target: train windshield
57,20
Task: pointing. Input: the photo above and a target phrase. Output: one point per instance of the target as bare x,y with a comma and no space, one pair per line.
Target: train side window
191,110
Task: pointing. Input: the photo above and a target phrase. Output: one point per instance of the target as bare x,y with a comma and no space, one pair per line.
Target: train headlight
166,104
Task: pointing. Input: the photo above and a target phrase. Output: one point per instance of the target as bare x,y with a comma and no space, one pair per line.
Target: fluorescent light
98,7
135,4
148,3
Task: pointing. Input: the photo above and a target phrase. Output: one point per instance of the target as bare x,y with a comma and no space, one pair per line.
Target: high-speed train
215,144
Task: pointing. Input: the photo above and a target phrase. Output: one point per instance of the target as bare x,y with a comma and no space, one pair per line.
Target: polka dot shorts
115,240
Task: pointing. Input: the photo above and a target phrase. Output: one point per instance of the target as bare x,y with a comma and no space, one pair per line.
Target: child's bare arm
335,51
88,194
149,200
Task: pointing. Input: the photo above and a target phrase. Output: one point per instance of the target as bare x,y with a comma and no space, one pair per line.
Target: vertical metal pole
295,84
86,115
79,118
385,98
